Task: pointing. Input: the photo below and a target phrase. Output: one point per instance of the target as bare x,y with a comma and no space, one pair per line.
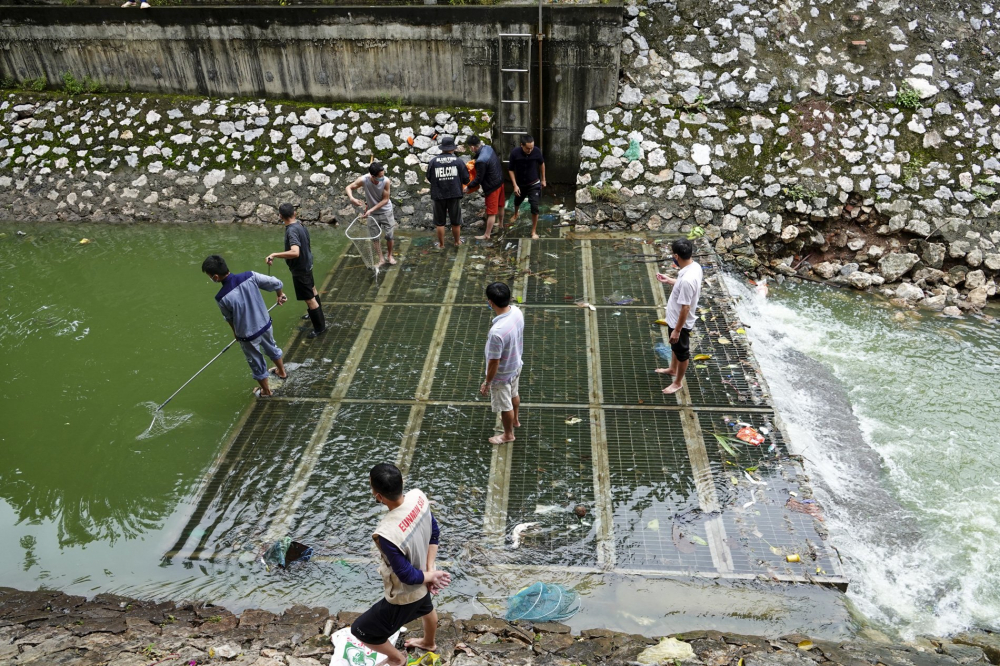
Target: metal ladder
507,105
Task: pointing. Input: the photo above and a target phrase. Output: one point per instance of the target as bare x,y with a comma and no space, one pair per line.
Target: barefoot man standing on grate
681,310
407,540
504,348
378,208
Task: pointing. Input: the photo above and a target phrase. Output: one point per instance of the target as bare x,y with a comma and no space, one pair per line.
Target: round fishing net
364,242
543,602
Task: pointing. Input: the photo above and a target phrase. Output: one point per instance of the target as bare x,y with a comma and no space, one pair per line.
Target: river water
896,414
895,419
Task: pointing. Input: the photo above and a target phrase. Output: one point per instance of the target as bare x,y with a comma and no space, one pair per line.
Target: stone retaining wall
127,158
849,142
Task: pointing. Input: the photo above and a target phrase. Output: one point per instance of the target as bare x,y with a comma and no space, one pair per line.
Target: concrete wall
426,55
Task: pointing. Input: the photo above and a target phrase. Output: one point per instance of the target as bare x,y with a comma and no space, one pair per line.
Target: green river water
95,335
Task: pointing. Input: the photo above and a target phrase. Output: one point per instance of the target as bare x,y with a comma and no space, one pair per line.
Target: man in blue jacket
447,174
243,307
489,175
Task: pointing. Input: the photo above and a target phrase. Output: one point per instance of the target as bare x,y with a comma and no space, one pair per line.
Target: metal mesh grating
337,514
552,472
487,262
763,533
423,273
451,464
618,276
627,336
352,282
319,360
244,493
556,272
394,358
653,493
462,366
555,356
729,376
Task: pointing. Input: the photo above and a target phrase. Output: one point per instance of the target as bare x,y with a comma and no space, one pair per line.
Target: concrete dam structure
421,55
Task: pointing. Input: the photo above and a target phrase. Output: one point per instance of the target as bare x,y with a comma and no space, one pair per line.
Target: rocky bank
48,628
129,158
843,140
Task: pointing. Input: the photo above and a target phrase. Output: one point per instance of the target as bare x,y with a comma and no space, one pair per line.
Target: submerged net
543,602
161,421
364,242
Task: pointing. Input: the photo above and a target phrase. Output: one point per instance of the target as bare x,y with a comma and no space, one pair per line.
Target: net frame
365,245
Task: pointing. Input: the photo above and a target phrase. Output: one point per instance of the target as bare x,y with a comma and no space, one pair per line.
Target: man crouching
407,539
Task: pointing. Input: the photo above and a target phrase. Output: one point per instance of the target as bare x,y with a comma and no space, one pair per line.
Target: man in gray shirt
378,208
243,307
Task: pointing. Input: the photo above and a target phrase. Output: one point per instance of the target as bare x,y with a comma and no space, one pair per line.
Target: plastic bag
543,602
349,651
634,152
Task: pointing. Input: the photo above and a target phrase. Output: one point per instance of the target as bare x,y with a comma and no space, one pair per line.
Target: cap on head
448,142
286,211
376,168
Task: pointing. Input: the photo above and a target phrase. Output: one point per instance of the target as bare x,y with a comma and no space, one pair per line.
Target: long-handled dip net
364,242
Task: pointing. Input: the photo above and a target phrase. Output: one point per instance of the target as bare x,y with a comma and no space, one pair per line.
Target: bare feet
392,662
460,241
392,260
500,440
673,388
534,236
380,264
420,644
664,371
517,424
483,237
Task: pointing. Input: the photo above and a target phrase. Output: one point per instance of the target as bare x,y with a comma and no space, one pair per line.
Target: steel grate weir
393,361
396,378
766,529
362,436
551,474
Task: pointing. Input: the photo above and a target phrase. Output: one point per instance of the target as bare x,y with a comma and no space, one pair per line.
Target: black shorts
682,349
377,624
452,208
303,284
533,193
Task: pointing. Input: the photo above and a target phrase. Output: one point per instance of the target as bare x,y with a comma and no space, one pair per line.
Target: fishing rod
224,350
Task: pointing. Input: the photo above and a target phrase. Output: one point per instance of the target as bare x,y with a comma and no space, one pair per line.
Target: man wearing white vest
407,539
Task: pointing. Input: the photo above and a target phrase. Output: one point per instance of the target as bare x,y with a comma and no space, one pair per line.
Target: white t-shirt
506,343
686,291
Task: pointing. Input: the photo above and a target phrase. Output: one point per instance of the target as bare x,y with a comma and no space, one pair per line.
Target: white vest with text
408,527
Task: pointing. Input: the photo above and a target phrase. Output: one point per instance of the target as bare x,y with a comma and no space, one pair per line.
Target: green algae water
97,334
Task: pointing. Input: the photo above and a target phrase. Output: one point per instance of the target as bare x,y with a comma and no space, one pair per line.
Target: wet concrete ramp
662,485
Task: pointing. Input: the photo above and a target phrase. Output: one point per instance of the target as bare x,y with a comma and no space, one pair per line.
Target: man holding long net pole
378,209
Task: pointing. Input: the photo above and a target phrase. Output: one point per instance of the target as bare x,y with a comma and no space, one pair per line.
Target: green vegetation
912,168
88,85
799,192
907,97
605,193
35,85
215,619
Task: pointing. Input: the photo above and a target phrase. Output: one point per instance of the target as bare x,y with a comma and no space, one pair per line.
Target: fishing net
161,421
364,242
543,602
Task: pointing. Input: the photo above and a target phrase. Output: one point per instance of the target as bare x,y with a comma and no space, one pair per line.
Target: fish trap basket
363,241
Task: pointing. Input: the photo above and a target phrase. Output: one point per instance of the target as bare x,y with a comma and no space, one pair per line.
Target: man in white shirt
681,310
504,348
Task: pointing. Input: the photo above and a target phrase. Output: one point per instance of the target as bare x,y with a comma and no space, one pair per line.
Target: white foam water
896,416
